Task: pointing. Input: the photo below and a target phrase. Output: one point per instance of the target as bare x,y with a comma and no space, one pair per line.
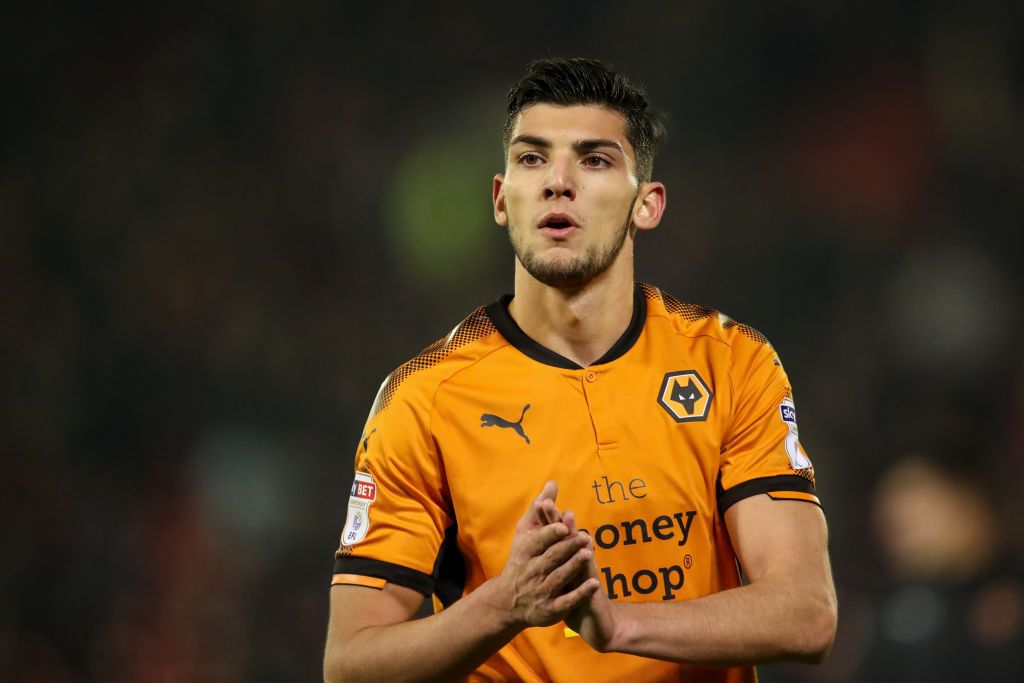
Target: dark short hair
567,82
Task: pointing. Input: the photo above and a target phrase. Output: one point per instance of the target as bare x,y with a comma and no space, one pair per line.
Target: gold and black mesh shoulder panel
746,330
474,327
692,312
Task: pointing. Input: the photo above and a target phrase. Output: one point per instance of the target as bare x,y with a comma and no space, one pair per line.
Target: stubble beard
577,271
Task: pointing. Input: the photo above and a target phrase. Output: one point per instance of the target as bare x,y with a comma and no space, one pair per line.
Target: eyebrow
580,146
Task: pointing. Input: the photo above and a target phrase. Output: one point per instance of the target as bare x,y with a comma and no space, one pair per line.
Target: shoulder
416,380
696,321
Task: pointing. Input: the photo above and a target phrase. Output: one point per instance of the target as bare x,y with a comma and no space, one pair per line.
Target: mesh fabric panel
693,312
474,327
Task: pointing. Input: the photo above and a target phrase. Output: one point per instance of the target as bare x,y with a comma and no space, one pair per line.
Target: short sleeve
761,450
397,511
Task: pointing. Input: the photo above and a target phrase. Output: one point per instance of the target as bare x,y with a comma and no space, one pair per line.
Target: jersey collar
510,330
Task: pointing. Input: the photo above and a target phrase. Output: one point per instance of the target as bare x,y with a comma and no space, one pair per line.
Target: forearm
441,647
772,619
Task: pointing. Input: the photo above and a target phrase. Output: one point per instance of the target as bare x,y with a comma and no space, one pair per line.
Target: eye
530,159
596,161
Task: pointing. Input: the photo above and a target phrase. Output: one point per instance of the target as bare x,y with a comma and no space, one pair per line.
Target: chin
562,275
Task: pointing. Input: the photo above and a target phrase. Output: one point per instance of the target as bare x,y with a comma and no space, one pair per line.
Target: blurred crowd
224,225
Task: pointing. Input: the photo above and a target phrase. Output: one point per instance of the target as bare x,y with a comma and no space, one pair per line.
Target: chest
634,446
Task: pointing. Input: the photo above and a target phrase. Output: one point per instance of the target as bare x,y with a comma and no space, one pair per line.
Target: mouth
557,225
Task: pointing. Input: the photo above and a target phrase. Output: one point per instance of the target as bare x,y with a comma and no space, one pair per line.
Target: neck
580,323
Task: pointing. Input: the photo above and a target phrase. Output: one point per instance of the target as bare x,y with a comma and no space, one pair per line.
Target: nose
561,181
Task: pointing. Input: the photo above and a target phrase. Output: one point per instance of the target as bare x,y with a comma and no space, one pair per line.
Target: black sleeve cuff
782,482
395,573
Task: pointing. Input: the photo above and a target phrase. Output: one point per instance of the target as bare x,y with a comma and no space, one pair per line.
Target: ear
498,198
649,206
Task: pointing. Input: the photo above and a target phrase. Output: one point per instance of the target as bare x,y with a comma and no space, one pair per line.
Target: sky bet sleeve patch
762,442
357,523
797,458
397,513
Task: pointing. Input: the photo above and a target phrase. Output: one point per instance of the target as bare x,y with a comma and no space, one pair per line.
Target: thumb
534,516
549,492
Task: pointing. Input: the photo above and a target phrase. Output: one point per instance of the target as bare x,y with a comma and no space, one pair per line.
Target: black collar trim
510,330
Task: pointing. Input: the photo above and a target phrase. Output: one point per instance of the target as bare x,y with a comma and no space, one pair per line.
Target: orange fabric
641,446
357,580
793,495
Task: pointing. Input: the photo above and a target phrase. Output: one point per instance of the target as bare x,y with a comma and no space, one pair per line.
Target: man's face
568,193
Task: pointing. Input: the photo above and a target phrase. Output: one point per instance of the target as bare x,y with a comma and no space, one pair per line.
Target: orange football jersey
686,414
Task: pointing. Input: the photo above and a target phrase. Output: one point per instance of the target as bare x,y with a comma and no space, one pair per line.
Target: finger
569,517
559,552
550,511
574,568
540,513
531,519
571,600
549,492
592,565
537,543
534,515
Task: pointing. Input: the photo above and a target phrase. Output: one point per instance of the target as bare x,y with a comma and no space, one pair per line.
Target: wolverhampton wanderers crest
685,396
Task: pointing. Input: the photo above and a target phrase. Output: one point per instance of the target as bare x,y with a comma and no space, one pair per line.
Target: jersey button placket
597,404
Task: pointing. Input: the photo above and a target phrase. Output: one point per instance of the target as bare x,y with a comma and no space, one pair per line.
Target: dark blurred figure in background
952,604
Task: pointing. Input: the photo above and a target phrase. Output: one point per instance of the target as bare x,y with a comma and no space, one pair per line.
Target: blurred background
224,223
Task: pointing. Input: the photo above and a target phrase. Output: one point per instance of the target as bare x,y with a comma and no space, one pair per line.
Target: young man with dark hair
645,445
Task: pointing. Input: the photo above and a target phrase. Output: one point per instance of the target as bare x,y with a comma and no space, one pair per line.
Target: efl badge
685,396
364,492
797,459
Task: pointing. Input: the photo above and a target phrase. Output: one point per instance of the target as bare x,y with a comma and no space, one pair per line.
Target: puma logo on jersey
489,420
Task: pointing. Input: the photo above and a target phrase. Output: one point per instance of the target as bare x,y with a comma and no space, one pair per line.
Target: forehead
575,122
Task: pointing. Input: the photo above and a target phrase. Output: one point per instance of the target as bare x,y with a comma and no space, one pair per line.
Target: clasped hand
551,575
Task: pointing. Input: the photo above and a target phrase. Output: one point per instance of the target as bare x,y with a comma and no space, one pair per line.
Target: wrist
497,609
623,627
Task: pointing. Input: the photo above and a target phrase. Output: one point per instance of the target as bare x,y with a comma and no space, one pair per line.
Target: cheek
614,205
515,202
512,191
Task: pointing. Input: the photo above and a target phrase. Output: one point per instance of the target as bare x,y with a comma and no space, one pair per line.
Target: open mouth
558,225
